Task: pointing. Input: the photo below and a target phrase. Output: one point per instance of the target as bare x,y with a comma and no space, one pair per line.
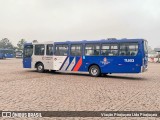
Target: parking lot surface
25,89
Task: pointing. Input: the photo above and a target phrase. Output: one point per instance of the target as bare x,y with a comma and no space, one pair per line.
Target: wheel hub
39,67
94,71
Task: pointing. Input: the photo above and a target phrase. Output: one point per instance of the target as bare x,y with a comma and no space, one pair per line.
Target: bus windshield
146,47
28,50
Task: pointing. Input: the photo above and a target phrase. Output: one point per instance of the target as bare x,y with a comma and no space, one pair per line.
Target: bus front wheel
94,71
40,68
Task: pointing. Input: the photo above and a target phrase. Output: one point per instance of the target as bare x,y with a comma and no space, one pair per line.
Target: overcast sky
59,20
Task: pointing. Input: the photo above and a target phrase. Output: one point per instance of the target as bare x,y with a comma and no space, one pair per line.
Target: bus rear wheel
94,71
40,67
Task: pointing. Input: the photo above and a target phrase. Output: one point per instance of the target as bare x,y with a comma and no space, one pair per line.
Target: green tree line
5,43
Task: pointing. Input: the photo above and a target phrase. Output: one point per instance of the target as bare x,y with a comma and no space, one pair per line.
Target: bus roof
102,40
109,40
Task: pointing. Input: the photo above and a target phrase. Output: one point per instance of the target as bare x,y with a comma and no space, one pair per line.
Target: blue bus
7,53
96,57
2,55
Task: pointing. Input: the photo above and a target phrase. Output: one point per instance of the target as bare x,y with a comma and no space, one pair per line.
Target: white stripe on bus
65,64
72,64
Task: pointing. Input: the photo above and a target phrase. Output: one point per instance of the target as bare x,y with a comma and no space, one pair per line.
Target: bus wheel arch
40,67
94,70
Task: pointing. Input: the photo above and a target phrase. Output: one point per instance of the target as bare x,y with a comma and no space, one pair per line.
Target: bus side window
61,50
109,49
76,50
39,49
49,50
92,49
128,49
114,49
105,49
133,48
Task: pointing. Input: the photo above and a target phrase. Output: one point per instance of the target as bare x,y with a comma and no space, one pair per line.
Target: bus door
27,57
48,59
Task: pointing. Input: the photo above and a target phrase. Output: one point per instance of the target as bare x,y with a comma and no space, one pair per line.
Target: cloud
47,20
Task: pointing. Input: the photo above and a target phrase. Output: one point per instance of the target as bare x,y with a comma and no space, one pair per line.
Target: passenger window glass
128,49
109,49
105,46
39,49
61,50
114,46
92,49
76,50
49,50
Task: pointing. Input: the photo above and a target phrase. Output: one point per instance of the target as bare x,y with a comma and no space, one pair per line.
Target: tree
21,43
6,44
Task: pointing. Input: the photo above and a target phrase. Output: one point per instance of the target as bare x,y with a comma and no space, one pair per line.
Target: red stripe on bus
78,65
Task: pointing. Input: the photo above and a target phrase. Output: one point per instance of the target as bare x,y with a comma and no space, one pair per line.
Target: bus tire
94,71
40,67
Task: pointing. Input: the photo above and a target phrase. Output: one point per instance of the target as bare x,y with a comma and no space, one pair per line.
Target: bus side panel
74,64
116,64
79,64
90,60
113,64
106,64
125,64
